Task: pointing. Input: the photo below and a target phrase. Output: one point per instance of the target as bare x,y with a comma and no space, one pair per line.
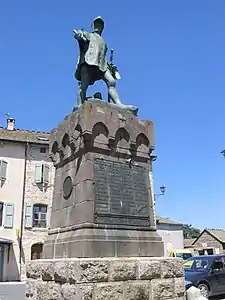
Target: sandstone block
162,289
138,290
122,270
94,271
76,292
129,290
179,286
112,291
62,271
33,270
31,289
172,268
47,271
149,269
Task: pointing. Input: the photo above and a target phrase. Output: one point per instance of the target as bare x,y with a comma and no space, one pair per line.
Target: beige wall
12,191
172,237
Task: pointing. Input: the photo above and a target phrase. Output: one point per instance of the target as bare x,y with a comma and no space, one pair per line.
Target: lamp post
162,192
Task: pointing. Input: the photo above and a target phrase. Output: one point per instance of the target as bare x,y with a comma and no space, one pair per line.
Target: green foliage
190,232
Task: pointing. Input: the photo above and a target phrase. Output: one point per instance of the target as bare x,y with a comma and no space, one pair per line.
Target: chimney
10,124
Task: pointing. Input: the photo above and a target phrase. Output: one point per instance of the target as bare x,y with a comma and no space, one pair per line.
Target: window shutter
9,215
3,169
38,173
28,216
46,174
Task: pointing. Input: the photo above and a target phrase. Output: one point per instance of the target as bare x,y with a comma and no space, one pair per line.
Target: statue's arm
81,35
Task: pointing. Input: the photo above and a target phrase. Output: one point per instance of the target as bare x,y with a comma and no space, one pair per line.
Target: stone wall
37,194
106,279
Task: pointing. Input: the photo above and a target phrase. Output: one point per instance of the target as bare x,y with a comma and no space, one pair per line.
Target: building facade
209,242
171,233
26,189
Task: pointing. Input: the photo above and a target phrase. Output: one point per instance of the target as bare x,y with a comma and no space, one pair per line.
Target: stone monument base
106,243
106,279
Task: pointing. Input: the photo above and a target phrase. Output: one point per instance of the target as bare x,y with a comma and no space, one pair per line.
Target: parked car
181,253
188,284
206,272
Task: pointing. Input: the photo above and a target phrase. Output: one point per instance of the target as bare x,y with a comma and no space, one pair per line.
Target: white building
26,189
171,233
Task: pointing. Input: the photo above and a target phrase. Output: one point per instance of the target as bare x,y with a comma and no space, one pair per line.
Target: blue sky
171,55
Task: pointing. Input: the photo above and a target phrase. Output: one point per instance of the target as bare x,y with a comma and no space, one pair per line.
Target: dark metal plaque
121,193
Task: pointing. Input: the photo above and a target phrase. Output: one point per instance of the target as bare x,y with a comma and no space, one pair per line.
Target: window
9,215
39,216
42,173
42,150
36,251
1,212
3,169
218,265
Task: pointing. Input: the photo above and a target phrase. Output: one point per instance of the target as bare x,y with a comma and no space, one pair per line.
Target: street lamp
223,152
162,192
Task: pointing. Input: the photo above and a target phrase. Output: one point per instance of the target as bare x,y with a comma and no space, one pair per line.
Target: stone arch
122,138
100,133
142,143
37,251
54,155
66,147
65,140
55,147
77,131
76,137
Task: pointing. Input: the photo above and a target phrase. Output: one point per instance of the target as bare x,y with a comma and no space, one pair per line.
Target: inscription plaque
121,193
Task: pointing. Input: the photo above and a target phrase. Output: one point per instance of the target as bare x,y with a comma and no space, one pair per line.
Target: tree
190,232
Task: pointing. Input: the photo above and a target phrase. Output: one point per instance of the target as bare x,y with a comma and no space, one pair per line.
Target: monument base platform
105,242
106,279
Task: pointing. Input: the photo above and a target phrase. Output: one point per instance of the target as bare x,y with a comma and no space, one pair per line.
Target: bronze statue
92,64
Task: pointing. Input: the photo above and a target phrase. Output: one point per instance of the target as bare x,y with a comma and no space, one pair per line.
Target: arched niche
65,140
76,137
100,133
122,138
142,143
55,147
54,152
66,149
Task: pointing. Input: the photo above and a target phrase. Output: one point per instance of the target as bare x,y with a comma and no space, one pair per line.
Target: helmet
98,20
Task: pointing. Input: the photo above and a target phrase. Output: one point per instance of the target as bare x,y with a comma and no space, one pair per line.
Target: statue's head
98,25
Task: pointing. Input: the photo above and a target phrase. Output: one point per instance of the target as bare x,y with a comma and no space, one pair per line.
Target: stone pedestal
106,279
102,202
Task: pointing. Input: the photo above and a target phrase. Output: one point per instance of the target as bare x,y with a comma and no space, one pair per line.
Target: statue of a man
93,65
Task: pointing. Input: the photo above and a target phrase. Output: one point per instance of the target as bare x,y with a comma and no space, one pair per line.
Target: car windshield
184,256
197,264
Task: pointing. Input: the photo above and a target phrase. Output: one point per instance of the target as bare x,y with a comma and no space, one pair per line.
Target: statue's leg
111,83
82,85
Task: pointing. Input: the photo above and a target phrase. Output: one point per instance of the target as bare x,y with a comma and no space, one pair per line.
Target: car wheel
204,289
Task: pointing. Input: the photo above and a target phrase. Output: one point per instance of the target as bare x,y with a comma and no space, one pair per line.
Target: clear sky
171,55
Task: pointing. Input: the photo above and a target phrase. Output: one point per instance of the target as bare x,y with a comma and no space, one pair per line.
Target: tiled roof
218,233
188,242
20,135
167,221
